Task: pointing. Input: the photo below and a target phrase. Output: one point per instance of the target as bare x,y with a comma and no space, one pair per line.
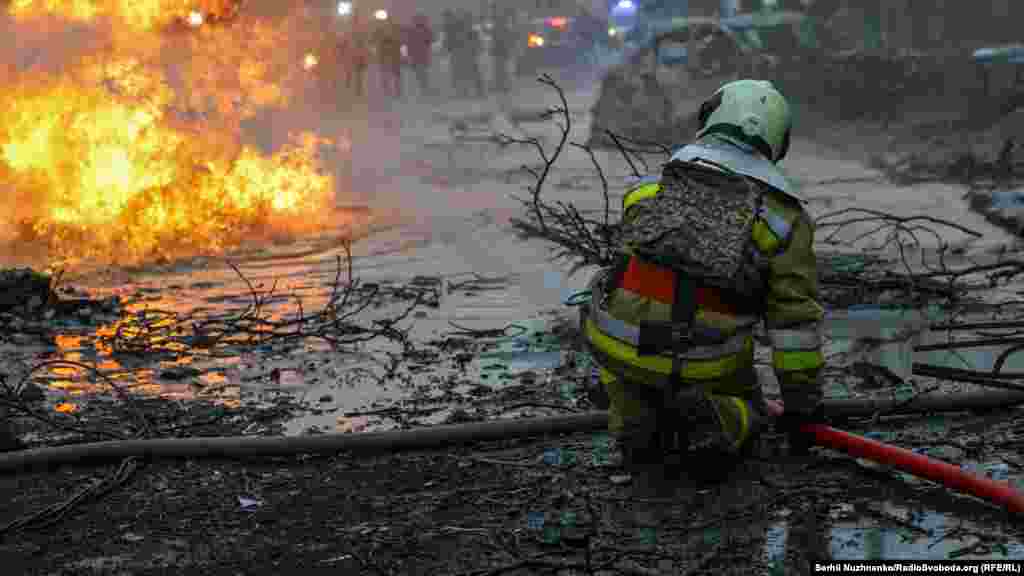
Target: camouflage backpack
699,224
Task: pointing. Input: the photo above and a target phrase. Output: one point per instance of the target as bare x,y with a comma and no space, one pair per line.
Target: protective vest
646,323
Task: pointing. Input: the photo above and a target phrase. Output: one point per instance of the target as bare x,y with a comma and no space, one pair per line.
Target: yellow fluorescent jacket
783,234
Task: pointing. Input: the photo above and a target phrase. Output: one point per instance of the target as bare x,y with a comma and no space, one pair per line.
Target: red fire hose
1000,493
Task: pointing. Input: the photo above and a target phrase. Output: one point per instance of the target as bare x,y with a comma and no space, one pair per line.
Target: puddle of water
908,534
521,359
532,350
870,539
775,545
891,332
982,358
898,347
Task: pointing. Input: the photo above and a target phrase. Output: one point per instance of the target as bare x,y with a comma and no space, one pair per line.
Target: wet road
440,196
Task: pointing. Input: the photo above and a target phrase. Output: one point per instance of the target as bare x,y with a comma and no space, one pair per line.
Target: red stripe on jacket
659,284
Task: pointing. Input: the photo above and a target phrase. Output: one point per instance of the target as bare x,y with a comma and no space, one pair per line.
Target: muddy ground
545,505
497,508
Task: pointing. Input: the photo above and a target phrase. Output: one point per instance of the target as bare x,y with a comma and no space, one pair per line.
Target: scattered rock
23,288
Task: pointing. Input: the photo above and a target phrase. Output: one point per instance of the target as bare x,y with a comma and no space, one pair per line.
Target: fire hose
1002,494
999,493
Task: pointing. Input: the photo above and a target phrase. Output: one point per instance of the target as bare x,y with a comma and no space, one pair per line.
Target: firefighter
676,353
501,47
355,52
468,47
420,40
387,40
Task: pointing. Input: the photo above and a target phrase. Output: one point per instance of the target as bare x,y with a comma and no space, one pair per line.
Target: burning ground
474,329
124,143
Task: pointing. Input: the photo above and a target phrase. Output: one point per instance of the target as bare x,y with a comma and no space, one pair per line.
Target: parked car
757,38
644,90
554,42
1011,55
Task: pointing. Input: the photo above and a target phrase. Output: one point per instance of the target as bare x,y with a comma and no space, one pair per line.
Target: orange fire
137,14
133,151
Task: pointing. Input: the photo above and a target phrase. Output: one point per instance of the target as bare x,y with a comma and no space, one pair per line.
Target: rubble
23,290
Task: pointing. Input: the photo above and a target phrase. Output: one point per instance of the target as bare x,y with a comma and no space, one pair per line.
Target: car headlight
535,40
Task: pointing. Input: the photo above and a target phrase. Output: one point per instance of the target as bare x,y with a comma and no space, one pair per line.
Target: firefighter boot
723,432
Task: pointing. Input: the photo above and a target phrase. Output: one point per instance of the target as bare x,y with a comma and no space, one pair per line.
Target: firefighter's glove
790,423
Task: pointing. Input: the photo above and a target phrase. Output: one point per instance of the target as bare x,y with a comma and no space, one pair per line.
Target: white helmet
752,111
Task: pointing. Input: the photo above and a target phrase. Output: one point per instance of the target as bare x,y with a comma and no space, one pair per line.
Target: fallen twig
483,460
55,513
580,240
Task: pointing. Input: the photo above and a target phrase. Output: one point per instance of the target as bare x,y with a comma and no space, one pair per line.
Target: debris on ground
518,506
24,290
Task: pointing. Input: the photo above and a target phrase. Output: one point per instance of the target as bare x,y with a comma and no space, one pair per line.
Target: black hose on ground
436,436
987,400
235,447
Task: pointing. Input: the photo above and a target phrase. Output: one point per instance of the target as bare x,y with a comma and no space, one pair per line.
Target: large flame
138,14
133,151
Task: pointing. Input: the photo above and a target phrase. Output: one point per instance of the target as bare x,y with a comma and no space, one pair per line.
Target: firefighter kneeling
710,248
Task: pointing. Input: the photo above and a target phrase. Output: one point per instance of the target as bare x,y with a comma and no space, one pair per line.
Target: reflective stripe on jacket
720,344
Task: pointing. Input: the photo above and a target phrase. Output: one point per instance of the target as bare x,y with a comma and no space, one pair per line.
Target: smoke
47,43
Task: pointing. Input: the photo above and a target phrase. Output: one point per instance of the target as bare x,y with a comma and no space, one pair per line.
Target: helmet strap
737,133
785,146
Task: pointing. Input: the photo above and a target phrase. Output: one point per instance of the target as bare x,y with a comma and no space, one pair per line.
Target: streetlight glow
344,8
381,15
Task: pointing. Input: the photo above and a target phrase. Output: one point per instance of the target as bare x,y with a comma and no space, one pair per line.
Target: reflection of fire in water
107,160
94,351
